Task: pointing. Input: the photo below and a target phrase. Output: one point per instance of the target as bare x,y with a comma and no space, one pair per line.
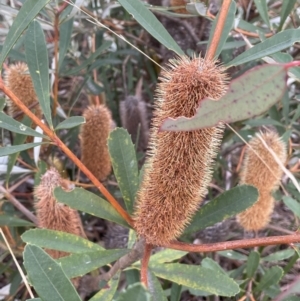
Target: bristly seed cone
93,136
255,172
179,164
53,215
18,80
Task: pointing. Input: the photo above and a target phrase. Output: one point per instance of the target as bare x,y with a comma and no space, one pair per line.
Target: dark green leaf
252,263
280,255
88,202
61,241
7,150
37,59
107,293
71,122
276,43
249,95
123,158
136,292
292,204
8,123
2,103
12,221
271,277
209,263
262,121
225,205
26,14
226,29
65,32
197,277
285,10
233,255
150,23
175,292
157,292
82,263
262,8
47,277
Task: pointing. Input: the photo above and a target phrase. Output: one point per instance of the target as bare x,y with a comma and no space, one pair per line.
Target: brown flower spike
94,134
179,165
18,80
264,173
53,215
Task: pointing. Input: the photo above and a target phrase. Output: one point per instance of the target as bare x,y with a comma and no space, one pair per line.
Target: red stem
145,262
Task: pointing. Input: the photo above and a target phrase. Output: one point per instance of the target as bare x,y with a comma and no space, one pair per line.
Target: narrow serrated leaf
26,14
47,276
61,241
150,23
37,59
227,204
249,95
7,150
71,122
197,277
82,263
276,43
124,162
280,255
88,202
154,287
271,277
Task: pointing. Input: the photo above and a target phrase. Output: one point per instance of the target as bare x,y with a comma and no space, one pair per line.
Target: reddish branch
144,266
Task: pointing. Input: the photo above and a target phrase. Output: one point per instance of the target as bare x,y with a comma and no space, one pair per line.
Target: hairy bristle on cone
93,136
264,173
179,166
133,117
53,215
179,3
18,80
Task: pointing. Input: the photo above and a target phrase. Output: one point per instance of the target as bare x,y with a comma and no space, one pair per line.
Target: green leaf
276,43
285,10
82,263
90,60
150,23
71,122
280,255
262,8
12,221
175,292
198,278
123,158
252,263
47,276
37,59
271,277
88,202
136,292
249,95
8,123
107,293
7,150
262,121
209,263
65,32
2,104
157,292
58,240
35,299
26,14
292,204
233,255
226,29
227,204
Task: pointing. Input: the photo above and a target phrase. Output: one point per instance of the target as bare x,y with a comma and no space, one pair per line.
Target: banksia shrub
179,3
264,173
179,165
53,215
134,116
94,134
18,80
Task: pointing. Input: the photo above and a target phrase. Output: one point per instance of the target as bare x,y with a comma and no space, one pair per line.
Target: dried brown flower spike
178,169
264,173
94,134
54,215
179,3
18,80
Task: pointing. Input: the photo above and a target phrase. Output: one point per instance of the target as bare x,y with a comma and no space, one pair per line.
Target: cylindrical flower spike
264,173
179,165
53,215
94,134
18,80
